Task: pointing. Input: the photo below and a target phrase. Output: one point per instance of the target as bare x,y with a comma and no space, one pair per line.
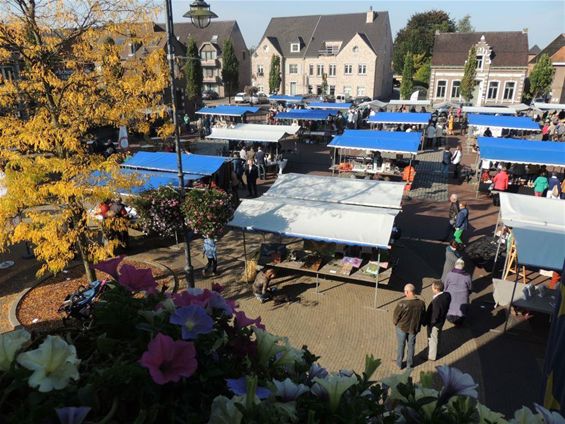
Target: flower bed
37,309
152,357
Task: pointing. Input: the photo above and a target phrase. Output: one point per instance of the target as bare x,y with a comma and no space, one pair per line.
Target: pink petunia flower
185,298
168,360
136,280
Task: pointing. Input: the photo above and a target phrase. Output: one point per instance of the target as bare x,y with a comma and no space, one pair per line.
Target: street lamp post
201,15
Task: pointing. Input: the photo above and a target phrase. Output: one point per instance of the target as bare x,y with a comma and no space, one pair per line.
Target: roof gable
554,50
217,32
510,49
316,30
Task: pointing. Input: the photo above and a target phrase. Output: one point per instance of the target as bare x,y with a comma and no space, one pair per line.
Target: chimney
525,30
370,15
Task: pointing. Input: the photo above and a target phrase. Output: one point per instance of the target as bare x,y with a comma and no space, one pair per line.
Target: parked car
209,95
361,99
241,98
342,98
259,98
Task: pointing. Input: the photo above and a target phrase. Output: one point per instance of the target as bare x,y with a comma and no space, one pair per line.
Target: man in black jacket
435,317
408,317
251,174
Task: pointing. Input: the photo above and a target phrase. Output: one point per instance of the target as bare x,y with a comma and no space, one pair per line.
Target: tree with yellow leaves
79,65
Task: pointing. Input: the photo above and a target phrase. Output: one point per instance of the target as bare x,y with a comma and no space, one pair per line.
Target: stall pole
509,310
498,244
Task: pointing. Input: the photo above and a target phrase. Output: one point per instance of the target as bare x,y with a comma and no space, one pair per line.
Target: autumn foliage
78,65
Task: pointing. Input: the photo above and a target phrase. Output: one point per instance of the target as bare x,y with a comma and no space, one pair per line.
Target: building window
348,69
480,62
332,71
320,70
260,70
266,48
294,47
243,54
318,90
355,49
347,91
6,73
362,69
492,90
509,88
292,88
311,70
441,88
259,89
209,73
310,89
332,90
360,91
211,55
293,69
455,85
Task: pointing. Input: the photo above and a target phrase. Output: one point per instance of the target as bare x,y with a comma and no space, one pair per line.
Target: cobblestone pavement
430,182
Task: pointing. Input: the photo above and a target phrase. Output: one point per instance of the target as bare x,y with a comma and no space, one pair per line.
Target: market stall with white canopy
254,133
539,237
328,209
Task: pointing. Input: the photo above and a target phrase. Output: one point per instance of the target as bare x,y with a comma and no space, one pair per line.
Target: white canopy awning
373,103
550,106
323,221
538,225
489,110
382,194
254,132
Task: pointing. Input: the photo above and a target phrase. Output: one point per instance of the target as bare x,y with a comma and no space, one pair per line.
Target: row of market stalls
338,214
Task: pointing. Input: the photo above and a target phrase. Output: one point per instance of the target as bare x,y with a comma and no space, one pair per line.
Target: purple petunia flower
238,386
549,417
216,301
317,371
110,267
135,279
241,320
194,320
72,414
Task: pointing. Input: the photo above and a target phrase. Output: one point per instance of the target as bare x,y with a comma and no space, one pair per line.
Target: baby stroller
79,305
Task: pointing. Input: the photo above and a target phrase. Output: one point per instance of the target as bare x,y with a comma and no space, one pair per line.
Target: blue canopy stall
167,162
330,106
499,123
375,141
228,110
305,115
530,152
286,99
408,118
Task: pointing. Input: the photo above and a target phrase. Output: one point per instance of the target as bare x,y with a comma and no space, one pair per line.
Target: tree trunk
88,268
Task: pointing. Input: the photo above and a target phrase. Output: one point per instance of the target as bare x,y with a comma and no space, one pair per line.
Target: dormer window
294,47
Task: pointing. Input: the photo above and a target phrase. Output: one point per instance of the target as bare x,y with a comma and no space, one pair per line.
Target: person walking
450,124
430,135
243,153
500,180
453,211
407,318
456,161
251,174
260,162
554,187
238,167
461,222
541,184
458,285
435,317
211,254
452,253
445,160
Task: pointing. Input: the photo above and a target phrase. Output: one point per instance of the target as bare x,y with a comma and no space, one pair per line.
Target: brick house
353,52
210,42
502,66
556,52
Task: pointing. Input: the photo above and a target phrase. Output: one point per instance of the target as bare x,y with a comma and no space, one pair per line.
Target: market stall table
351,212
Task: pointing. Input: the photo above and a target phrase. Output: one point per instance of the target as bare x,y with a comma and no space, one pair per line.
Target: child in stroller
79,304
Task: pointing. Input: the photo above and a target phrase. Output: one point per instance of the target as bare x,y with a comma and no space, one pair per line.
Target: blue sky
544,19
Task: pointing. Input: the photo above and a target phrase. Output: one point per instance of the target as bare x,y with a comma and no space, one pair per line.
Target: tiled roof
221,29
555,50
510,49
534,49
318,29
